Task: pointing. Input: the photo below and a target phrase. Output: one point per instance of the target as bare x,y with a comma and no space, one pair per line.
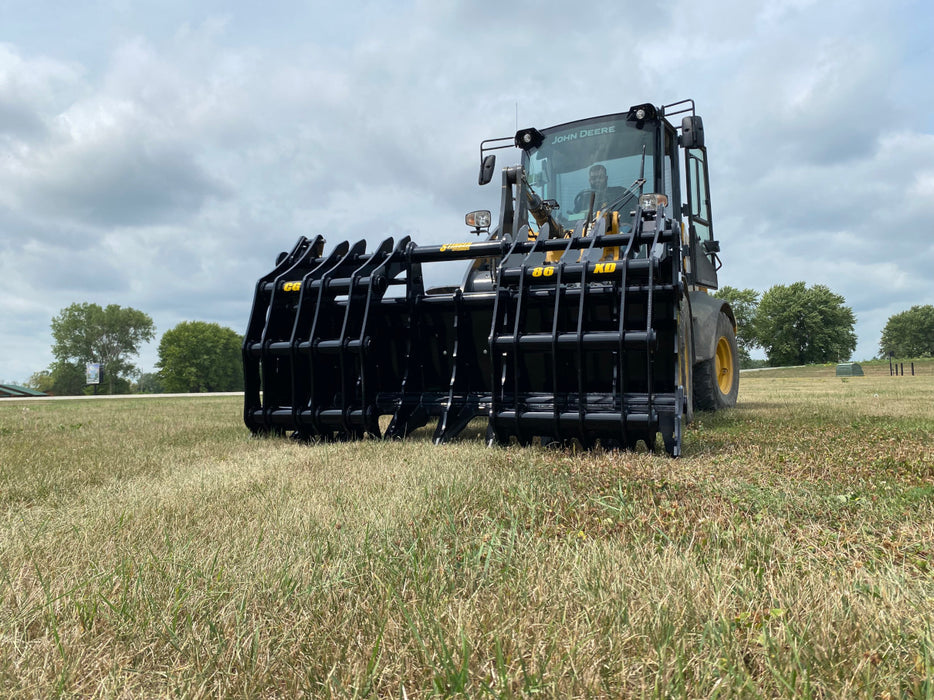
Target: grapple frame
575,338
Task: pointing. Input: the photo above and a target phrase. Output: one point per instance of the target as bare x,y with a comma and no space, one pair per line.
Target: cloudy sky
159,155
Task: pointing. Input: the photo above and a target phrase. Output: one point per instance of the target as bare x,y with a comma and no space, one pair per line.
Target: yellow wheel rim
724,366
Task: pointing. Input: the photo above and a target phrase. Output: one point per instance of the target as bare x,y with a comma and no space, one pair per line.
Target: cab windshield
599,158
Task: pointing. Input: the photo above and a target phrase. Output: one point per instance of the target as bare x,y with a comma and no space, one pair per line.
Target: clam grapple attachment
573,321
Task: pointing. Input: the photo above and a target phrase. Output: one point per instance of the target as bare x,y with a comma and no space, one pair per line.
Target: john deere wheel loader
583,315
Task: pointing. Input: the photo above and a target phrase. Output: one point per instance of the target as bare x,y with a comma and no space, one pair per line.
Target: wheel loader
583,315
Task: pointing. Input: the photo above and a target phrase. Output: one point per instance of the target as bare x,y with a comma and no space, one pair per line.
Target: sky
160,155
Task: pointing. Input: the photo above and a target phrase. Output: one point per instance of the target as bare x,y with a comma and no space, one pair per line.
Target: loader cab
640,152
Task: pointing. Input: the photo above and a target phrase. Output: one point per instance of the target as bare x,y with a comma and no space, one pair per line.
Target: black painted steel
576,340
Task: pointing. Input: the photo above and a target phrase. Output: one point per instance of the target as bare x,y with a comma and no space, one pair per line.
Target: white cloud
164,159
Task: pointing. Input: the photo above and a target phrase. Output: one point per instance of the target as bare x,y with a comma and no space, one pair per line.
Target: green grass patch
151,547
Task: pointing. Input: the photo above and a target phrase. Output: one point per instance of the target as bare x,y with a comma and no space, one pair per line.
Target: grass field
150,547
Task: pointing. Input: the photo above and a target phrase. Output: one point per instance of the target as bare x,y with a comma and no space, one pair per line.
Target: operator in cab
598,185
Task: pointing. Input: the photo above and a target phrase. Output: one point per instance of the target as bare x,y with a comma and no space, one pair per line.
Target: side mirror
692,132
486,169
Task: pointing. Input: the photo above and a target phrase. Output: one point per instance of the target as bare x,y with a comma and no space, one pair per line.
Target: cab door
703,246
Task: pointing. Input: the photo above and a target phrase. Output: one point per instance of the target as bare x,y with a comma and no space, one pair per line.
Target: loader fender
706,314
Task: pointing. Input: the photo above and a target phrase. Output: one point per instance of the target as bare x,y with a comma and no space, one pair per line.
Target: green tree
800,325
111,336
744,303
150,383
60,379
41,381
910,333
196,356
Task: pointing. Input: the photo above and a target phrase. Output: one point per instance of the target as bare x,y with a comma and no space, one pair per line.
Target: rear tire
716,381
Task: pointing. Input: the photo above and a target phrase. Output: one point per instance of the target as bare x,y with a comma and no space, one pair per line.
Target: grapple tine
301,346
260,327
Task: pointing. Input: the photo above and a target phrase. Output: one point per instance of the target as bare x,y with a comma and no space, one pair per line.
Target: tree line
793,324
800,325
194,356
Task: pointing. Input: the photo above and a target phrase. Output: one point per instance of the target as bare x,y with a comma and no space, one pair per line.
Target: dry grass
151,548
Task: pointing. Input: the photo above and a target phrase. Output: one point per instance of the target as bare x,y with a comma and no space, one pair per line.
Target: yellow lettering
604,268
291,286
454,247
